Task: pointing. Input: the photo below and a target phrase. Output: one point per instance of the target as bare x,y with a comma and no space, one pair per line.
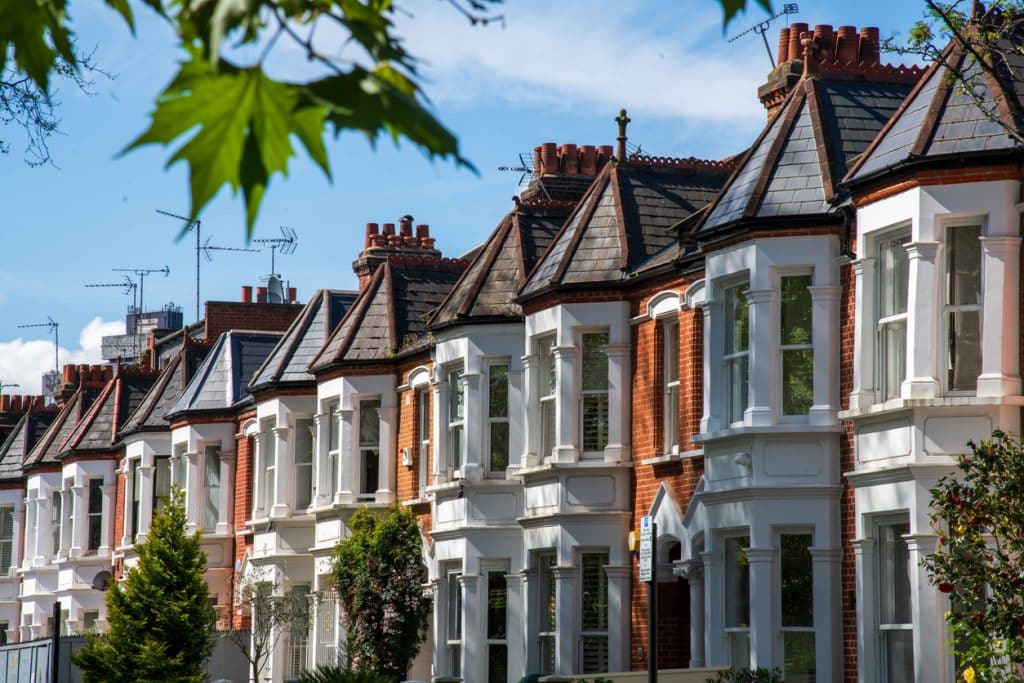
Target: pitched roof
222,381
165,392
49,447
488,288
948,117
389,317
624,220
98,428
794,167
290,359
26,433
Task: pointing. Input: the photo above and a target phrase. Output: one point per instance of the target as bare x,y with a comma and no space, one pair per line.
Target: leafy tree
270,616
378,572
978,512
161,620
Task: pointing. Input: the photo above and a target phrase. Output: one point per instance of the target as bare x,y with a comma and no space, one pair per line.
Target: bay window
456,417
595,391
211,486
303,463
161,482
797,603
893,284
497,419
95,514
497,627
736,356
55,520
6,539
548,612
594,619
895,624
795,342
180,467
369,446
454,626
963,307
423,427
333,453
670,372
135,473
737,600
546,394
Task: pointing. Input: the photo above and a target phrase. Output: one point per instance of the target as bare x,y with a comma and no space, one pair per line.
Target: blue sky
557,71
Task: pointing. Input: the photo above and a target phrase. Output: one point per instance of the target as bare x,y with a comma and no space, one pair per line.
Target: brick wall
119,502
231,315
409,437
846,503
680,476
242,510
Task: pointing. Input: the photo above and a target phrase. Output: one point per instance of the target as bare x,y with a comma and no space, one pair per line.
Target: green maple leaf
238,124
731,8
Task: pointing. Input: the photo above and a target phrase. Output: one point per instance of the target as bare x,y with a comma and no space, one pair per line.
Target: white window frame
211,493
783,630
362,449
90,516
267,443
456,448
7,542
668,327
331,409
584,393
179,477
948,309
731,633
600,634
423,433
547,633
492,420
783,348
454,637
547,397
882,324
308,464
56,520
134,501
486,569
877,524
730,358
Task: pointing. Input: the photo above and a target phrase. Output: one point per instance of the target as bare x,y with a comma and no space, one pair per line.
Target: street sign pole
649,573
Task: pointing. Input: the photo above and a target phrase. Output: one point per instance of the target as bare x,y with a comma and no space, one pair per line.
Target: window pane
497,394
6,539
899,656
738,369
303,463
499,446
454,607
893,276
95,513
369,423
739,649
55,507
670,335
497,663
595,361
737,319
547,418
798,647
497,605
595,592
161,482
211,482
963,272
546,351
370,471
595,422
456,396
595,654
797,572
455,443
964,350
797,381
136,510
894,358
737,582
796,310
332,427
549,601
894,572
269,444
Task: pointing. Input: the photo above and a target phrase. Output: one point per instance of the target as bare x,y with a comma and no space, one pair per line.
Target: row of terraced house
774,355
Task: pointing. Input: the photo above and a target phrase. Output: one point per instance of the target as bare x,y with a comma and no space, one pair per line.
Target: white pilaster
825,328
711,420
227,498
867,616
566,405
1000,360
347,463
923,324
284,472
530,413
387,478
828,613
618,617
695,580
79,522
109,493
619,401
863,393
764,345
474,418
474,630
566,580
762,599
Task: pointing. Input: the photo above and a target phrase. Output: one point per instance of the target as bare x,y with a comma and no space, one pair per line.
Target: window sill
673,457
779,428
899,404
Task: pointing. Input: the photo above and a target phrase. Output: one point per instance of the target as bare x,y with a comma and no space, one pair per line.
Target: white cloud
24,361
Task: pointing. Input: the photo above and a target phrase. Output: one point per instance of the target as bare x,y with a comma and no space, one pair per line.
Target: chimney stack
378,246
246,294
261,295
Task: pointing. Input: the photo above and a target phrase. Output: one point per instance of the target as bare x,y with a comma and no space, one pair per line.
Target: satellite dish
275,291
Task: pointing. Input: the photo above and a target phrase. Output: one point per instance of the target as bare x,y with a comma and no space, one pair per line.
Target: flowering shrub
379,574
978,513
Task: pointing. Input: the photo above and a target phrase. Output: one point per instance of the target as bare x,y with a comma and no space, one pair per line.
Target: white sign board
646,546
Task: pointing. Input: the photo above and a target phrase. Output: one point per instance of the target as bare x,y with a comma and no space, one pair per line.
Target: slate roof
794,167
222,381
25,435
624,220
165,392
290,359
97,430
940,120
487,290
48,448
389,317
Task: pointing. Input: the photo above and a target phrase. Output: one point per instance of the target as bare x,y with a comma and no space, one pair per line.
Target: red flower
946,587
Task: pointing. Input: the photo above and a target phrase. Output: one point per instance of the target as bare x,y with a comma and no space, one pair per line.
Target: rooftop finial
623,121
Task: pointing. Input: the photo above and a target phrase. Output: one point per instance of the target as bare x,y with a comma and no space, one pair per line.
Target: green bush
759,675
337,674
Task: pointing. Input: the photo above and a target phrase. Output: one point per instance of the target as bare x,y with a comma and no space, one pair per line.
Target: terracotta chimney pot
549,158
261,295
293,295
588,160
5,403
537,160
870,49
371,230
783,54
427,242
570,162
605,152
246,294
389,229
405,226
422,230
846,44
796,50
15,404
824,36
70,374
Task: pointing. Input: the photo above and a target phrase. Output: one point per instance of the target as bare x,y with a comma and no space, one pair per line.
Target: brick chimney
252,312
843,51
552,159
12,407
380,243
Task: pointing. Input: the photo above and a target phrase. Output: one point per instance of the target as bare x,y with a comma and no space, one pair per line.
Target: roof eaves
357,310
939,99
792,109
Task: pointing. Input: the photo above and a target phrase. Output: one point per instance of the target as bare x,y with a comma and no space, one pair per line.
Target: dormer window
795,342
963,307
595,391
456,416
893,283
546,395
736,357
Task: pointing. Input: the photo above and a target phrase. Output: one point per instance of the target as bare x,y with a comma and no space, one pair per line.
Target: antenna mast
7,386
189,224
130,287
761,28
141,273
286,243
55,329
207,248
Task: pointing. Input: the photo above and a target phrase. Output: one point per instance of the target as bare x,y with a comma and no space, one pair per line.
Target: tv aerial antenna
207,248
7,386
525,167
190,223
55,331
286,243
761,28
141,273
129,285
